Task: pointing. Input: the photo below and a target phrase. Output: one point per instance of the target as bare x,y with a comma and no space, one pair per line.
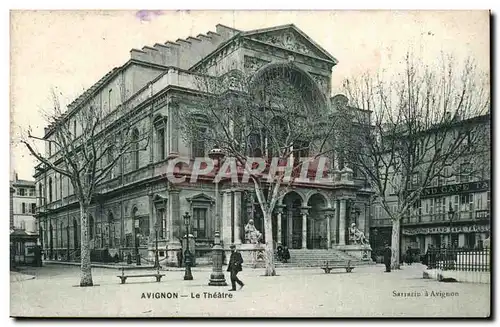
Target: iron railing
458,259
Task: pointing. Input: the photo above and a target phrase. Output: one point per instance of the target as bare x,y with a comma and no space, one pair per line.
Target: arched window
56,193
135,149
41,200
111,229
50,189
75,234
51,237
199,136
160,127
61,233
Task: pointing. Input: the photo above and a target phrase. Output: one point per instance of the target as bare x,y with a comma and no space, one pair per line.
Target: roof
23,182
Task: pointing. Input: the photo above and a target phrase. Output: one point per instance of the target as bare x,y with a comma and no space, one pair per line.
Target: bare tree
88,143
280,117
424,124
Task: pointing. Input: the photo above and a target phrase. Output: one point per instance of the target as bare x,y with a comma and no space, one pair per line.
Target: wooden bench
124,277
327,267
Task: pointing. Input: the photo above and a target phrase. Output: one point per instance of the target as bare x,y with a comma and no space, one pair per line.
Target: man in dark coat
234,267
387,258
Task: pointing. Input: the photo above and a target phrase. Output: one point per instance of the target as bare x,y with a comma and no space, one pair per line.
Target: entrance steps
316,257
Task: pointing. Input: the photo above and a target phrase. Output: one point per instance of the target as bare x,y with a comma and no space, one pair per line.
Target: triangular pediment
291,38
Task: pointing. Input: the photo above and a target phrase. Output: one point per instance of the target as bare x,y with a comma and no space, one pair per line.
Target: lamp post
157,261
137,254
187,254
451,214
217,277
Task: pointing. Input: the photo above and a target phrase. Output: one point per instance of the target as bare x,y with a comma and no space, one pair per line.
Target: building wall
135,198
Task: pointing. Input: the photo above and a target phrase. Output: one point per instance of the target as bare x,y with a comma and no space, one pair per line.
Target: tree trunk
268,227
86,268
395,243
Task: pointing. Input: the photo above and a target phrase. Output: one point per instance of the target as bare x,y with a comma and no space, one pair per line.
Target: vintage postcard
250,163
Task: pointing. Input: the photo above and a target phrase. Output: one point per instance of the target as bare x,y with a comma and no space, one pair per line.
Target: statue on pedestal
356,236
252,234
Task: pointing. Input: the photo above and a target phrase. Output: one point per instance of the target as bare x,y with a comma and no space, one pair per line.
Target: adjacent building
23,224
466,190
23,205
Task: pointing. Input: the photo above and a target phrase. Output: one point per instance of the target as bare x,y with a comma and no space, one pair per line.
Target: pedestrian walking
409,257
387,257
234,267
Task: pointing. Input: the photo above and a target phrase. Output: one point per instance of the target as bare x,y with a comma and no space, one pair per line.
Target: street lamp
451,214
157,261
187,254
137,254
217,277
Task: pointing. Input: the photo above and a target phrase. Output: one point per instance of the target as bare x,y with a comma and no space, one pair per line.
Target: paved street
367,292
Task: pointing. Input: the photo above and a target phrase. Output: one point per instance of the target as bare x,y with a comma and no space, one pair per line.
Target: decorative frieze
253,64
322,82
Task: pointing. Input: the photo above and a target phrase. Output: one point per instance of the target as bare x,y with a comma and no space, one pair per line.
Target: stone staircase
316,257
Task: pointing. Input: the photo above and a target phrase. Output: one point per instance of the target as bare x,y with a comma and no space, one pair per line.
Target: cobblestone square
305,292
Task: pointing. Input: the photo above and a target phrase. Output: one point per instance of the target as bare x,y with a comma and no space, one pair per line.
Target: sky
71,50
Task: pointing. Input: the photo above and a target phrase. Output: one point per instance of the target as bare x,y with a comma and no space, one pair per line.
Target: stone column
152,218
305,212
237,217
225,228
279,213
174,215
342,211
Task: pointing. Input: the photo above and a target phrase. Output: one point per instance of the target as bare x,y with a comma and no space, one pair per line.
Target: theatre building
138,207
459,203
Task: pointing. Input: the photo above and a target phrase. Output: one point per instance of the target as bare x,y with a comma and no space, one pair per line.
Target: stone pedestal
359,251
250,255
172,249
162,251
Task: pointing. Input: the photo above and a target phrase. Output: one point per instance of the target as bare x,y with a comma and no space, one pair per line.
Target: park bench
327,267
124,277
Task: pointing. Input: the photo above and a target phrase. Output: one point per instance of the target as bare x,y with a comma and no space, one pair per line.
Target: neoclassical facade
138,207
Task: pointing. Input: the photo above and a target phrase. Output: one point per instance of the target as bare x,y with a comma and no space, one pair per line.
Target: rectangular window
465,172
23,207
488,200
200,222
22,192
160,216
198,148
33,207
161,143
32,192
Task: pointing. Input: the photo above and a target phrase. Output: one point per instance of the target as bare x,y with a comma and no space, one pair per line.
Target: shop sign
446,229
